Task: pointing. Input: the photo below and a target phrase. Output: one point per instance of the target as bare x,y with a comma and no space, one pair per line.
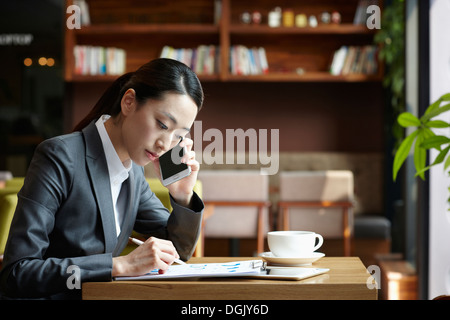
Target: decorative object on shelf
336,17
274,19
256,17
301,20
300,71
312,21
246,17
325,17
288,18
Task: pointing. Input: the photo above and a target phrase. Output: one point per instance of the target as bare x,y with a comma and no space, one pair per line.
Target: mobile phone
171,167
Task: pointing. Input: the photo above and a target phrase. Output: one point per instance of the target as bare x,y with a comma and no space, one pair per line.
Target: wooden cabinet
143,28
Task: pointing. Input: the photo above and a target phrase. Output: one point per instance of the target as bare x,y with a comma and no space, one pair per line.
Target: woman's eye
162,125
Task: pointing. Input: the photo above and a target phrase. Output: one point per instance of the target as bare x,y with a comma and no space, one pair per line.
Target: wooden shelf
111,78
270,77
139,29
189,28
306,77
331,29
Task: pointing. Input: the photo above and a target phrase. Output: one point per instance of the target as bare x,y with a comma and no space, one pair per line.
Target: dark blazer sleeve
181,226
32,266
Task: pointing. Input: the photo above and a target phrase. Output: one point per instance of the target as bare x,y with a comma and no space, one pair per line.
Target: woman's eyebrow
171,117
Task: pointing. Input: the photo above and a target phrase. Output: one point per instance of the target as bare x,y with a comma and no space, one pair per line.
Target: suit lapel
128,220
98,171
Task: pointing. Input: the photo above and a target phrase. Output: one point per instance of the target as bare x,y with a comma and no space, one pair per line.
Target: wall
336,117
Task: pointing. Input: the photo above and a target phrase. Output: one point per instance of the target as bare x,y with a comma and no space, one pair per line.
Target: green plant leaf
447,163
402,153
406,119
420,154
434,142
433,106
427,132
435,112
441,156
445,97
437,124
422,172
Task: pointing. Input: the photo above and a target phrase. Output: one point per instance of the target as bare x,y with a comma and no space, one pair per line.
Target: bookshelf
143,28
326,108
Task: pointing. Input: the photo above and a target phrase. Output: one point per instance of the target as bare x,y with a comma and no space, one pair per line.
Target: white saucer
291,262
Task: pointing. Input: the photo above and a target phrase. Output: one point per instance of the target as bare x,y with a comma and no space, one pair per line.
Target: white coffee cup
293,243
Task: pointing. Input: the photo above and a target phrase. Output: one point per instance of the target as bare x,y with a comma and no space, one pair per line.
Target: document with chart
227,269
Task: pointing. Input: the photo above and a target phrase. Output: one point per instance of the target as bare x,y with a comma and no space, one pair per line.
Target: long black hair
150,81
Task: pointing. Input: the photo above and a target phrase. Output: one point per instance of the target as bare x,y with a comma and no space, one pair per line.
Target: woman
85,192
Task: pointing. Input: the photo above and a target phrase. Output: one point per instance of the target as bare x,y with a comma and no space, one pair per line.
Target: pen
139,242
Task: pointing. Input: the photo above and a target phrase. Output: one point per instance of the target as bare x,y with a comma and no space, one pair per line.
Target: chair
8,203
16,182
236,204
4,176
319,201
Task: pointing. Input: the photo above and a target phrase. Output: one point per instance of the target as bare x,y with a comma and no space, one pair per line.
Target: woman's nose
163,144
166,142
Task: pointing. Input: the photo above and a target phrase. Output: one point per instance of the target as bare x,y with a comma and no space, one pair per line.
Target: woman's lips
151,155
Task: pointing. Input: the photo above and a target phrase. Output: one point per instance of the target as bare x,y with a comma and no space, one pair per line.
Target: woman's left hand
182,190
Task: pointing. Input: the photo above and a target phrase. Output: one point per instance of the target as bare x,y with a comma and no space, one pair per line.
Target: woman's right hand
153,254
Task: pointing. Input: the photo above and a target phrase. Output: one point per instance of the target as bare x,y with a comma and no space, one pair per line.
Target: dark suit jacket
65,217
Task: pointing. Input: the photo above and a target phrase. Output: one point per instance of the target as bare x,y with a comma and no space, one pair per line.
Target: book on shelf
95,60
248,61
355,60
203,60
361,14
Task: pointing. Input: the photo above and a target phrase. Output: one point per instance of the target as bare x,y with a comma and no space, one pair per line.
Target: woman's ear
128,102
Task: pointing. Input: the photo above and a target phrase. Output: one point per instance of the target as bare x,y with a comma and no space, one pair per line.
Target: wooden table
347,280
